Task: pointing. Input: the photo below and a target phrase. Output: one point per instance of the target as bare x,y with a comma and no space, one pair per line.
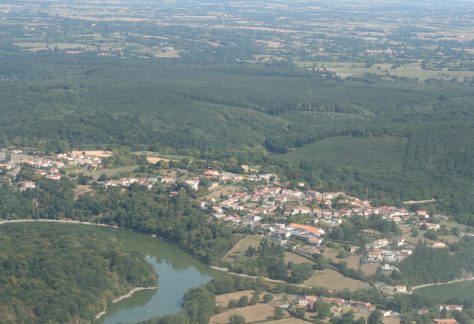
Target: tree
444,313
322,309
300,272
300,313
232,303
236,319
243,301
278,313
376,317
254,299
199,305
174,319
267,298
102,177
321,264
414,232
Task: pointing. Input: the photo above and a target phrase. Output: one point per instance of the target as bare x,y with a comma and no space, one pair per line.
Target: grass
223,300
353,261
258,312
371,153
286,321
295,258
226,190
413,70
332,280
442,293
112,172
242,246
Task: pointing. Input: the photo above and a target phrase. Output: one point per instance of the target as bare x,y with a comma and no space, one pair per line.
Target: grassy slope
458,291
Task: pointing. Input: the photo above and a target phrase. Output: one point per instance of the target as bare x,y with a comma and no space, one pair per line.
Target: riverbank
127,295
178,272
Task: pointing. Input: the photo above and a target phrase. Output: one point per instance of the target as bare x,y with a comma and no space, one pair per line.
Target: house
422,214
168,180
307,301
450,307
194,184
374,256
315,241
400,289
304,210
302,302
53,176
355,248
306,229
380,243
445,321
430,226
438,245
25,185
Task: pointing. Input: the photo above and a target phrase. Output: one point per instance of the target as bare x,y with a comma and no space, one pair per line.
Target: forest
388,140
51,274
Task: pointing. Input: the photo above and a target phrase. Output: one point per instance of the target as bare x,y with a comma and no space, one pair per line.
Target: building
445,321
450,307
306,229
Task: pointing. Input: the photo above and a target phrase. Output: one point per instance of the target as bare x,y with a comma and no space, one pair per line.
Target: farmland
332,280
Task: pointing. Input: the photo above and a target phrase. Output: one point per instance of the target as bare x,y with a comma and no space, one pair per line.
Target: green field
413,70
443,293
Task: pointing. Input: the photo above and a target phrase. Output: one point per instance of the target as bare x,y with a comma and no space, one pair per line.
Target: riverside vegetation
63,274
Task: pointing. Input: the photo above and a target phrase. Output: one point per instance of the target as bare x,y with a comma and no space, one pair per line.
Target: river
177,272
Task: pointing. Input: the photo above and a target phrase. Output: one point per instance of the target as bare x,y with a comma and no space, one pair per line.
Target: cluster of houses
382,251
336,304
147,182
60,161
389,290
274,202
47,166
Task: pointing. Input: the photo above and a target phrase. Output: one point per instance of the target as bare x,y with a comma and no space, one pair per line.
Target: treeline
429,265
51,274
147,211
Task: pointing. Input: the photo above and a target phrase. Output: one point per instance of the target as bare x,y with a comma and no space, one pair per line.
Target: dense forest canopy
62,274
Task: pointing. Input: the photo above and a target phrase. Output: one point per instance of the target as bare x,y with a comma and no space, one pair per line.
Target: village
296,217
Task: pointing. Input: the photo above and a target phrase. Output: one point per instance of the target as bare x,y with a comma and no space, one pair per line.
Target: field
224,299
225,190
413,70
333,280
286,321
97,153
353,261
442,293
295,258
258,312
112,172
377,154
241,246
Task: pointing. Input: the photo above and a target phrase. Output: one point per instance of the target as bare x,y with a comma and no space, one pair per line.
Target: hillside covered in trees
388,140
51,274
